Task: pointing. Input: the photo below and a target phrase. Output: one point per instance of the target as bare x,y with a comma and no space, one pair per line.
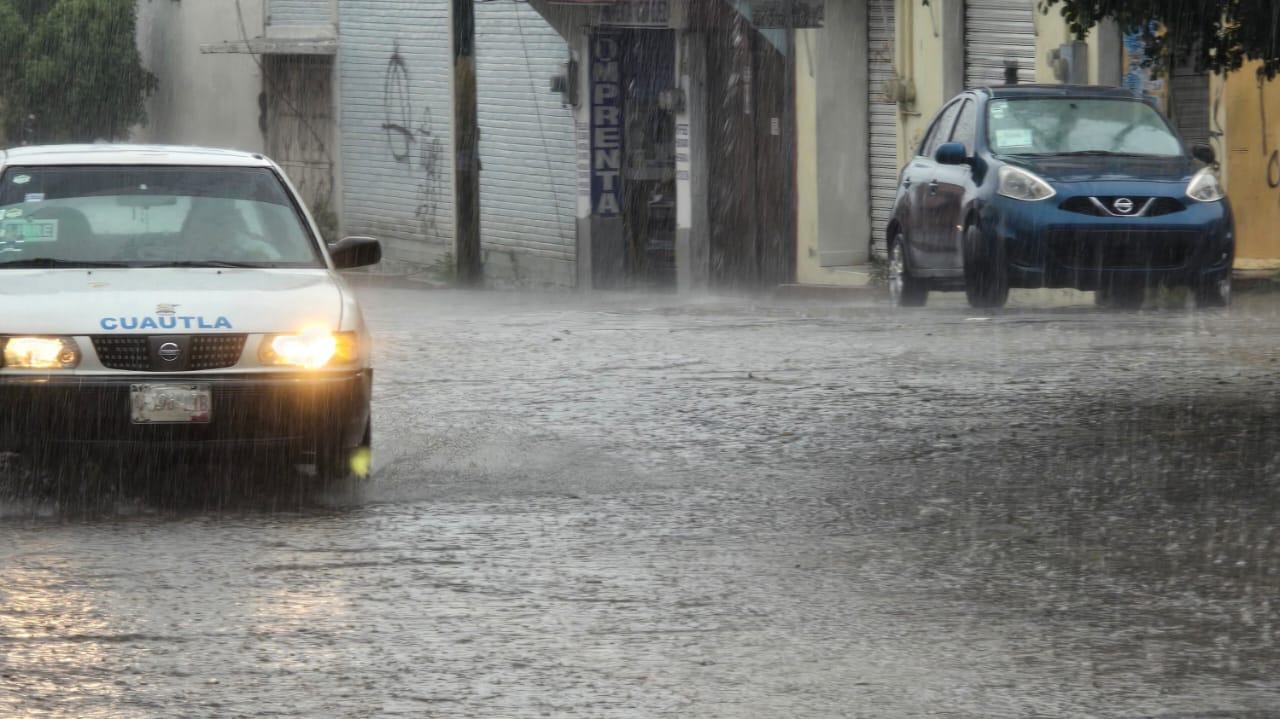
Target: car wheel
904,290
1215,292
986,274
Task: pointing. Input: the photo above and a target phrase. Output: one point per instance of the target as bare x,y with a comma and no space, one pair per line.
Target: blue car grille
1103,206
1112,249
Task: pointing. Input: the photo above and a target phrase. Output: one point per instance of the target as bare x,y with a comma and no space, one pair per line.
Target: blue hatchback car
1058,186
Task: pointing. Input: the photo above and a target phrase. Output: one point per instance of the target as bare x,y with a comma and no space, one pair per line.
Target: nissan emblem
169,351
1123,205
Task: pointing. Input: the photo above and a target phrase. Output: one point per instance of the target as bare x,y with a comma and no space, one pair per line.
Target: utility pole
466,144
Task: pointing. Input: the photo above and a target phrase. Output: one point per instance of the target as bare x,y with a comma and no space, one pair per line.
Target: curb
415,281
829,292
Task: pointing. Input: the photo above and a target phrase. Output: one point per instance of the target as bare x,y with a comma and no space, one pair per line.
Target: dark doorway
752,153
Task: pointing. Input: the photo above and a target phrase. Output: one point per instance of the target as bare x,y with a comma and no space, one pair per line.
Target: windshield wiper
206,263
1099,153
51,262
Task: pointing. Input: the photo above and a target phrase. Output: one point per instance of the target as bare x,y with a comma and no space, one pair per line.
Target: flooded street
637,506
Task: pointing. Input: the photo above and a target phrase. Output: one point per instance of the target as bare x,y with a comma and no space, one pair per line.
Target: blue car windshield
1066,125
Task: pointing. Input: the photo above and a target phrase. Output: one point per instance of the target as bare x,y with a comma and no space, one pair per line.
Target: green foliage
71,71
1216,36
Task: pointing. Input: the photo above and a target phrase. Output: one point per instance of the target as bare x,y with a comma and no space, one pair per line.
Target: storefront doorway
633,158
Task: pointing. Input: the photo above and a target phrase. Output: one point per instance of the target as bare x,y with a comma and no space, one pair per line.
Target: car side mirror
355,252
1204,153
951,153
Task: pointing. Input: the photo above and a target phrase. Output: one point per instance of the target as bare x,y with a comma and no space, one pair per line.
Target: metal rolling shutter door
882,120
996,31
397,167
527,151
299,12
1191,104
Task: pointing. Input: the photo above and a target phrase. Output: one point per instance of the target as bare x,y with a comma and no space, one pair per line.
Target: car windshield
131,215
1068,125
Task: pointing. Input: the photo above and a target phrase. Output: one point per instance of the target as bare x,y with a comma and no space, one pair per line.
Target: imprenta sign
606,125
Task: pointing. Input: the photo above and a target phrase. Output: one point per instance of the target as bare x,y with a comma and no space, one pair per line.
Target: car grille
1095,249
134,353
215,351
1158,206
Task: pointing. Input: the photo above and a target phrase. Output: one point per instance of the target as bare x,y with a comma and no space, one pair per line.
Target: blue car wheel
986,270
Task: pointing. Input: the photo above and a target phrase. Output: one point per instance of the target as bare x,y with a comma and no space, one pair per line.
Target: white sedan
174,298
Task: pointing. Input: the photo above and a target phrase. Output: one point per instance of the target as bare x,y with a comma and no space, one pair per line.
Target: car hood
168,300
1060,168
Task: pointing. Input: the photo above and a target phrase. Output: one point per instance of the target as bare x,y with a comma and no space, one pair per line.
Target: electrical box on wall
566,83
1070,63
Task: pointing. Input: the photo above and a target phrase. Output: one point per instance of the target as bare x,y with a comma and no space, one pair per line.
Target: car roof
1033,90
129,154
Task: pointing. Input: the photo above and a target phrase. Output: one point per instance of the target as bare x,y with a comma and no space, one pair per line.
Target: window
139,214
966,127
941,130
1079,125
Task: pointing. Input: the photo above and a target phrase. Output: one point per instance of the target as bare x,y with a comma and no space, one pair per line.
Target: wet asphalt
631,505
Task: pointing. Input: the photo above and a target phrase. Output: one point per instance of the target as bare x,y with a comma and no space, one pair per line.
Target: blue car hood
1090,168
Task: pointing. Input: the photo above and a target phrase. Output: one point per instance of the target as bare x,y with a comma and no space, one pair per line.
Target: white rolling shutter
996,31
882,120
527,152
298,12
397,161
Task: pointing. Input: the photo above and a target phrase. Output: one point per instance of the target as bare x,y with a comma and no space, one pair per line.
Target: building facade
354,100
670,144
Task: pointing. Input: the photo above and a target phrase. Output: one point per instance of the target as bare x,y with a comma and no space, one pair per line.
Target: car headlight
40,352
1204,186
1019,184
311,349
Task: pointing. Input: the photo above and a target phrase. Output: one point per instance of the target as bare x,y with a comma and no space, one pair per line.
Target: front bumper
1049,246
273,412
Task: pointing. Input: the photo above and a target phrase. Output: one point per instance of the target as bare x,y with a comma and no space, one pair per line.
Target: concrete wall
202,99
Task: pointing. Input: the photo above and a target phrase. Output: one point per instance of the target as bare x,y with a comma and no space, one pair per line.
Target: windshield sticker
164,322
998,110
28,230
1019,137
22,179
33,197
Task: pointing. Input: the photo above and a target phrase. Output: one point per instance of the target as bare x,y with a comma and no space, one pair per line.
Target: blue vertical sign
606,124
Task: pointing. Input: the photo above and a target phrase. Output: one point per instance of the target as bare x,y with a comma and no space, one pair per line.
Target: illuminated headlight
1019,184
40,352
312,349
1204,186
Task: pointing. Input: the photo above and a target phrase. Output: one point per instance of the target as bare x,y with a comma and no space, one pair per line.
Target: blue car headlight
1018,184
1204,186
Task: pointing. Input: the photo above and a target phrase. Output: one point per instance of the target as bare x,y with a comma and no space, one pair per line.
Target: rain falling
639,358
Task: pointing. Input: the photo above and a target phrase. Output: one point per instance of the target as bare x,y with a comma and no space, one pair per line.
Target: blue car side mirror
951,153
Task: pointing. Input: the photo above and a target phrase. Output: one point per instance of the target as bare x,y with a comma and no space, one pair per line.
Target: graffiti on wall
410,139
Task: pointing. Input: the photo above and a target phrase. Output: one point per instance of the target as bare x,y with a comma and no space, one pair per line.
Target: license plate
171,403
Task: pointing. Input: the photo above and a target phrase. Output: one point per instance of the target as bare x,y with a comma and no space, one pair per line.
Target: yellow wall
920,59
1252,174
807,269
